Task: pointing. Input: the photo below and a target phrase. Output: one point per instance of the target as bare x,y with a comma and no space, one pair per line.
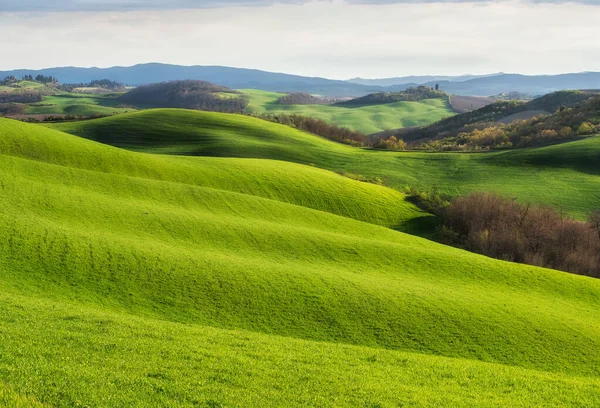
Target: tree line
320,128
42,79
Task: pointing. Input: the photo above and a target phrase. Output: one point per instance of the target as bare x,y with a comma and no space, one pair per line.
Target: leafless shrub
504,229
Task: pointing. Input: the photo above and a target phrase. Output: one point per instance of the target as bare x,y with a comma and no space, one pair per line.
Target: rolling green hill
569,185
76,104
131,279
364,118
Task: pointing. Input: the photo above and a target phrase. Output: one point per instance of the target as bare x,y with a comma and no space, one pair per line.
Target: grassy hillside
145,283
367,119
115,359
76,104
571,186
281,181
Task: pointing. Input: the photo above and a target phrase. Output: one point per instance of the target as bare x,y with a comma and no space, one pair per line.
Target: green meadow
235,269
76,104
367,119
564,176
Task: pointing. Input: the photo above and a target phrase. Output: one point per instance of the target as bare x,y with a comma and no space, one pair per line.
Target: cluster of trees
42,79
504,229
566,124
9,109
65,118
11,79
187,94
99,83
22,96
410,94
320,127
301,98
390,143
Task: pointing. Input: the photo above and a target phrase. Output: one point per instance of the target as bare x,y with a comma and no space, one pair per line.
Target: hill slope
202,133
497,112
369,118
106,252
185,94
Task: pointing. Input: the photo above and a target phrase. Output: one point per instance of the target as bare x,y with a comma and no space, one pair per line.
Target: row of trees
320,127
504,229
42,79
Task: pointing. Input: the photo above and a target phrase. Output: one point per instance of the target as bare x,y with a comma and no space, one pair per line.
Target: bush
586,128
430,202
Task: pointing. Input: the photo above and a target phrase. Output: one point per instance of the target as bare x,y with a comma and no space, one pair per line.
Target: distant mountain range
420,80
241,78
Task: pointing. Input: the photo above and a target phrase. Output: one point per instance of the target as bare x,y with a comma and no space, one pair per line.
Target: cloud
331,39
130,5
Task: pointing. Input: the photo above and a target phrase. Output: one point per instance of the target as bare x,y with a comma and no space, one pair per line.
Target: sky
338,39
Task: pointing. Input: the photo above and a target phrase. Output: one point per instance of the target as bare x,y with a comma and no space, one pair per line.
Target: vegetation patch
187,94
490,114
503,229
566,124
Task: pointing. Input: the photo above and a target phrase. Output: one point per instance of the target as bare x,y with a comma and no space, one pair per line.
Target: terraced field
367,119
137,279
564,176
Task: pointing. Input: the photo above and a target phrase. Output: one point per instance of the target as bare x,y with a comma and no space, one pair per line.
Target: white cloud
332,39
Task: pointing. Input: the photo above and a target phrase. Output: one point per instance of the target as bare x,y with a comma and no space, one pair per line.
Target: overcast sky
335,39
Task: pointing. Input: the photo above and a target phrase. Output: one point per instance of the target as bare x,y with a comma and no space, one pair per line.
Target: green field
136,279
76,104
366,119
564,176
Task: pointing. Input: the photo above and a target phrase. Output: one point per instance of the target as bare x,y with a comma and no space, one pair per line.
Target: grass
366,119
116,359
76,104
563,176
287,182
131,279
